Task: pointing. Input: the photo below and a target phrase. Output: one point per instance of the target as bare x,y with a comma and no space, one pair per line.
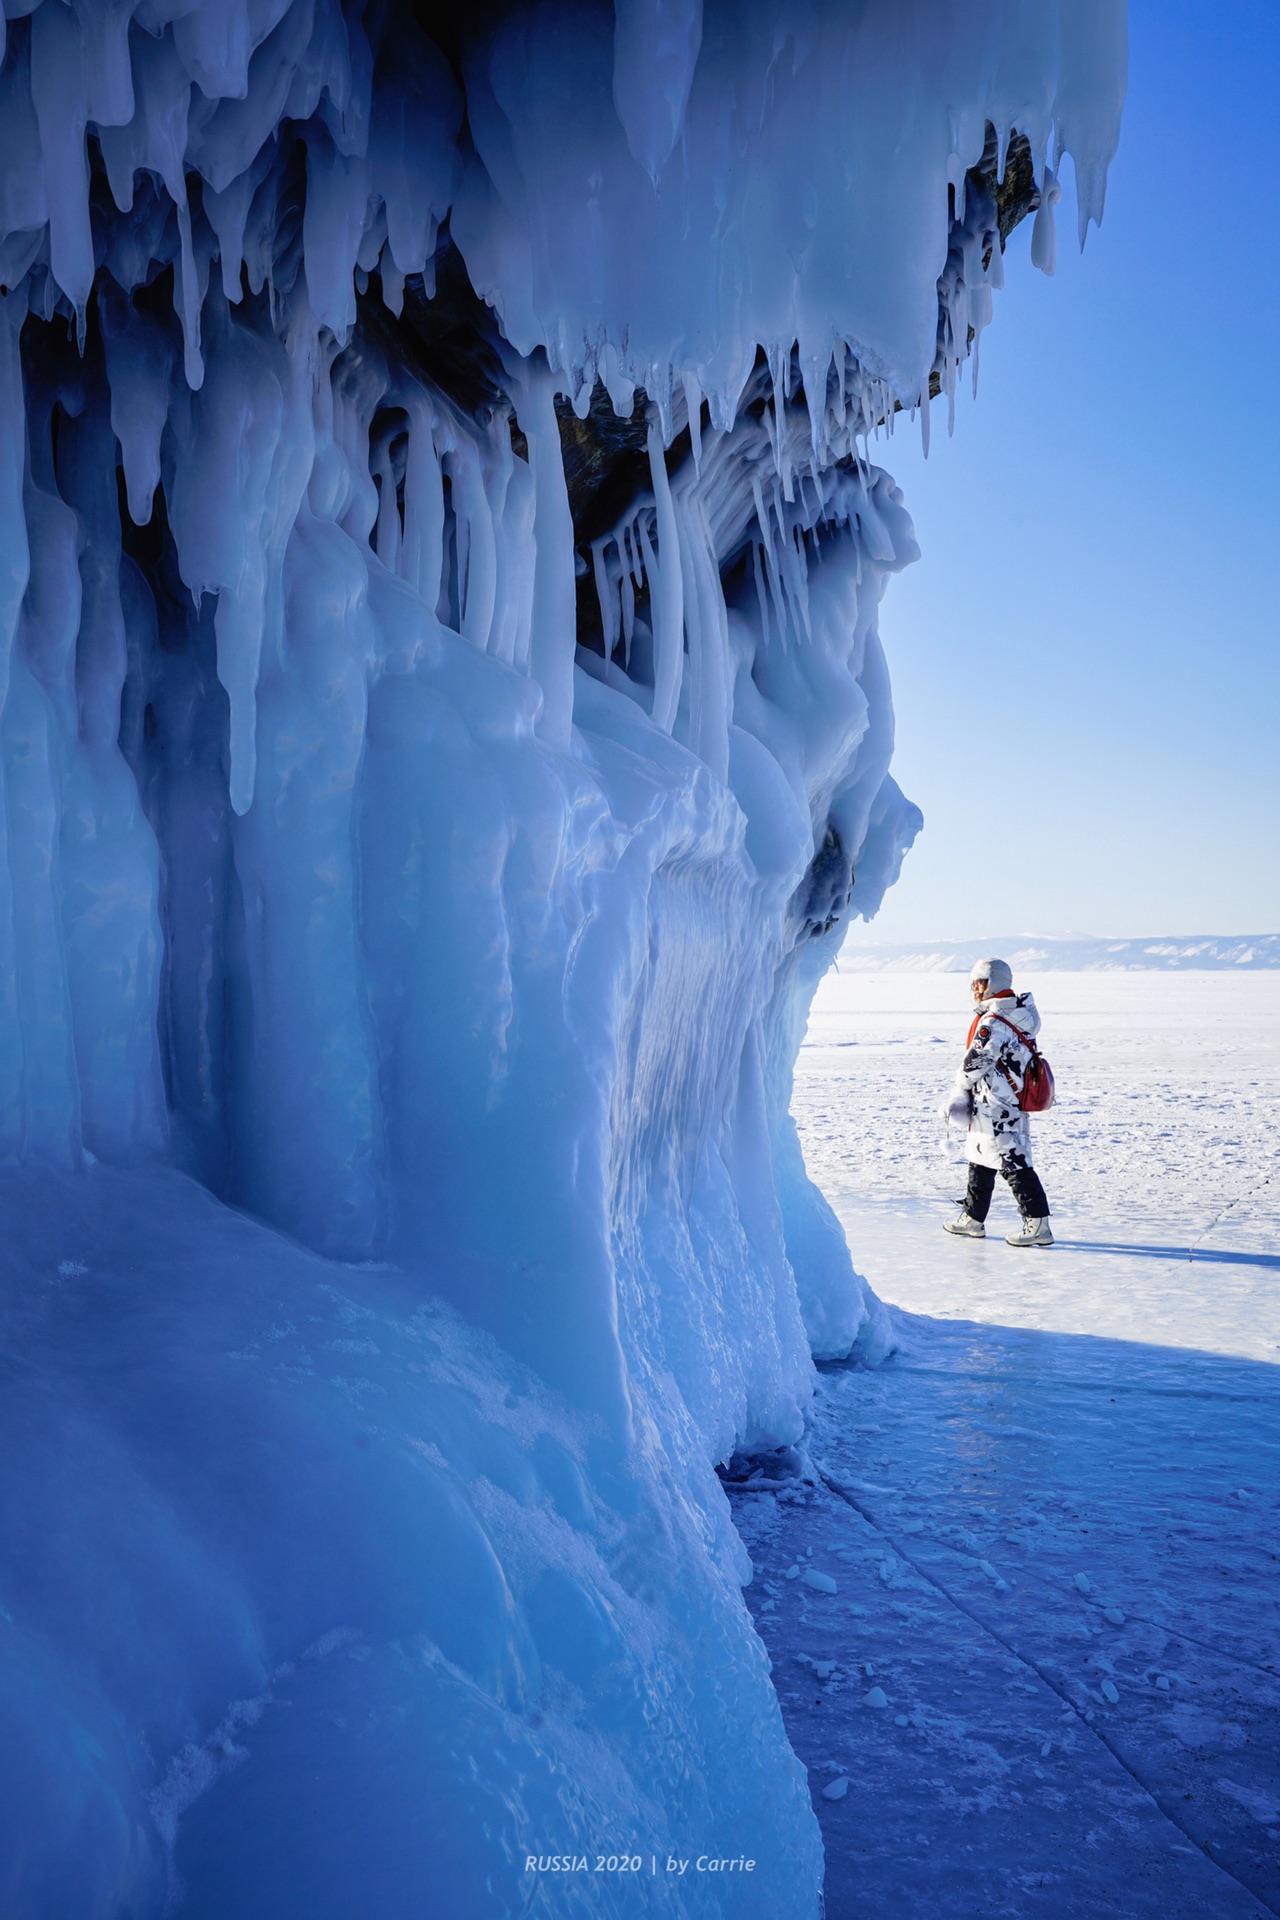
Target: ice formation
445,733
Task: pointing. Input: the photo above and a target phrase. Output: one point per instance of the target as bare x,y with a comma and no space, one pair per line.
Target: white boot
1032,1233
967,1226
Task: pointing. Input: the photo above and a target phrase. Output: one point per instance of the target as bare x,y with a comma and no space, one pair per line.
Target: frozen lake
1160,1157
1023,1596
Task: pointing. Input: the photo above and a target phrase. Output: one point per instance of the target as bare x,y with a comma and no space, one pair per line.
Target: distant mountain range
1071,953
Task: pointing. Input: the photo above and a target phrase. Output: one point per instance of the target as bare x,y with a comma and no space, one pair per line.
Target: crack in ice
1033,1666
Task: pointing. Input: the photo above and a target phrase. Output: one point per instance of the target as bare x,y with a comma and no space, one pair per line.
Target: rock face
445,734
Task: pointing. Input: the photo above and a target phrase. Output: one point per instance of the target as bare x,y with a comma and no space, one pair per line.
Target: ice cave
443,521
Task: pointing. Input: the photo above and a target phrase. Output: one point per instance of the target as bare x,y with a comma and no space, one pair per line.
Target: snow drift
445,734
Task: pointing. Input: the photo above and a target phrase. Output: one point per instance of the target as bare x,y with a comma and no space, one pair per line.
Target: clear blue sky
1086,661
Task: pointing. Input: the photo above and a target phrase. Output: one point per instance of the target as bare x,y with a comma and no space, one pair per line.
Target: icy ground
1023,1597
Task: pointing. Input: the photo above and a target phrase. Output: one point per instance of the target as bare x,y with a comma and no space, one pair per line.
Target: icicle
392,282
472,508
387,535
706,624
819,498
781,437
460,522
605,597
238,627
41,724
157,139
840,405
820,376
139,358
58,95
797,578
651,570
220,511
616,382
214,46
373,244
423,508
554,614
762,598
227,213
693,403
514,612
666,595
633,549
190,299
627,591
770,559
332,229
15,556
1044,239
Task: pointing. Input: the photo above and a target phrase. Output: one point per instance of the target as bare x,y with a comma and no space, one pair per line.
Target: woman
987,1090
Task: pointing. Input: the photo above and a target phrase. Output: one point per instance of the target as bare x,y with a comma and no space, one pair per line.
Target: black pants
1023,1179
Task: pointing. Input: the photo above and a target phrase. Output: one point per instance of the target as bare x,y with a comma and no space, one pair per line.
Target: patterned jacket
994,1062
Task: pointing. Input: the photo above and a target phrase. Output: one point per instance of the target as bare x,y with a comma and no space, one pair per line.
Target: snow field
1160,1157
1053,1517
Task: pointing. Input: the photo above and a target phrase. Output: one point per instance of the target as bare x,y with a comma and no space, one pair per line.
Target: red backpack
1037,1091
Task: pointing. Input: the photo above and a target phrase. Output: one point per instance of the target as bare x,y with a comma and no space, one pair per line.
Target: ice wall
444,722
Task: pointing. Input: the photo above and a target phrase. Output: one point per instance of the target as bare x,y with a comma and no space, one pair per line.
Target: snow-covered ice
1095,1730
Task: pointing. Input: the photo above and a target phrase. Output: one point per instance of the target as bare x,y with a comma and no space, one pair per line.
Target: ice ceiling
445,727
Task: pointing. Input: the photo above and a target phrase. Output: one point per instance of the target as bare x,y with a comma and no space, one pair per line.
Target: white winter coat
991,1073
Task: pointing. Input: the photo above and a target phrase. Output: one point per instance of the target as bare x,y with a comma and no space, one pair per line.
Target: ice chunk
352,867
861,246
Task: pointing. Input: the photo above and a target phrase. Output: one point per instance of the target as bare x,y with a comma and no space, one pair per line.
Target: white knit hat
998,974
